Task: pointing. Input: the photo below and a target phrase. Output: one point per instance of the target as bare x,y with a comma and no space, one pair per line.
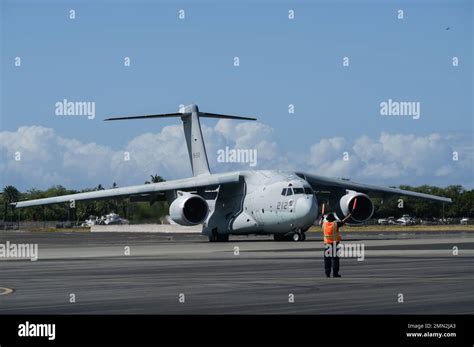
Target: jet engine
359,204
189,209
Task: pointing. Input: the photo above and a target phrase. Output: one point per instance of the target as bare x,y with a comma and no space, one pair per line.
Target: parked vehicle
405,220
113,218
109,219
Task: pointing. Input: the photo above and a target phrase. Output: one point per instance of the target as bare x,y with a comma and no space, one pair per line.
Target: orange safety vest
330,229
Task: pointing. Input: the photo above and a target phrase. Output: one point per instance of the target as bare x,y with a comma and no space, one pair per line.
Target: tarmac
176,273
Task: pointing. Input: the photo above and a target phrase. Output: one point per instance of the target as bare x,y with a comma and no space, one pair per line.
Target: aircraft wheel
303,236
296,237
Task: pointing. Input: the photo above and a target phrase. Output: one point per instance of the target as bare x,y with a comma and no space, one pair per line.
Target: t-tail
192,131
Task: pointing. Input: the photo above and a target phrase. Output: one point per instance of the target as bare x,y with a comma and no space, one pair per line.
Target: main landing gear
296,236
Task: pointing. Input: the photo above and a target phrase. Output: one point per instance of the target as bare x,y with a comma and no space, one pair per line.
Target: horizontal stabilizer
165,115
223,116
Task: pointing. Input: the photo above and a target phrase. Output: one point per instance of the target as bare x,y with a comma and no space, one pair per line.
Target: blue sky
282,62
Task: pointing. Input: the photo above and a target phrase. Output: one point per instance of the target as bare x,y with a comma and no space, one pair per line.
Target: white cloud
326,151
395,159
407,155
48,159
163,153
250,135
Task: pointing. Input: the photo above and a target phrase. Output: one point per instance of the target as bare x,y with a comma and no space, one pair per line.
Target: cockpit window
283,192
289,191
298,190
308,191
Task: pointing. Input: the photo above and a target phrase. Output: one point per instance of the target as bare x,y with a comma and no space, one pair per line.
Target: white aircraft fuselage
274,202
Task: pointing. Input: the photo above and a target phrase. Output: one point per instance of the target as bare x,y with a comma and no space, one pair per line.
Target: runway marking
5,291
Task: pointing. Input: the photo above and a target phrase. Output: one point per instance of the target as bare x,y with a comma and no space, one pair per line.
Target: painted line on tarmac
5,291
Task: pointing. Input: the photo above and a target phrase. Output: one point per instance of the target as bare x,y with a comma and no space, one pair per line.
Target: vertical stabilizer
194,140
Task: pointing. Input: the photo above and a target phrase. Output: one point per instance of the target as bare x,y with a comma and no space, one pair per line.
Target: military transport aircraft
284,204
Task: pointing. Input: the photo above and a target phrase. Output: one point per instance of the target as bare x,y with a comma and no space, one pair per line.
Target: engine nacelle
189,209
364,208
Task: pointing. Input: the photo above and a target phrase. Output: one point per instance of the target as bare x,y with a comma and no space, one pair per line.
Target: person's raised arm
347,217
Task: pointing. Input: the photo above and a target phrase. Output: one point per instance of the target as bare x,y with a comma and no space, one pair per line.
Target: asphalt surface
260,279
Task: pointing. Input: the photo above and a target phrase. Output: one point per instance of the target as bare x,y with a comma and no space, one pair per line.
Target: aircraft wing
317,181
144,189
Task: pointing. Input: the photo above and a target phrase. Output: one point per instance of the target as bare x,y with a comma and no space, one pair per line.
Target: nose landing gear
296,235
299,236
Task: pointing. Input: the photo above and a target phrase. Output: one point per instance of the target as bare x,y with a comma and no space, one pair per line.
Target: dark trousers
331,259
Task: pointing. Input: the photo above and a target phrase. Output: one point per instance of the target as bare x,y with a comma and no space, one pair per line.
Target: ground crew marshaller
331,233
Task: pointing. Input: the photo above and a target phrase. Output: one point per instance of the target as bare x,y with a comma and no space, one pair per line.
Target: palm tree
155,179
10,194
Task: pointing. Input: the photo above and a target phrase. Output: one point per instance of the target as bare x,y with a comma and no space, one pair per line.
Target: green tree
10,194
155,179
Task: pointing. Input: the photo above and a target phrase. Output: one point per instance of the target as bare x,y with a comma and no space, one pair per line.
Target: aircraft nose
306,208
